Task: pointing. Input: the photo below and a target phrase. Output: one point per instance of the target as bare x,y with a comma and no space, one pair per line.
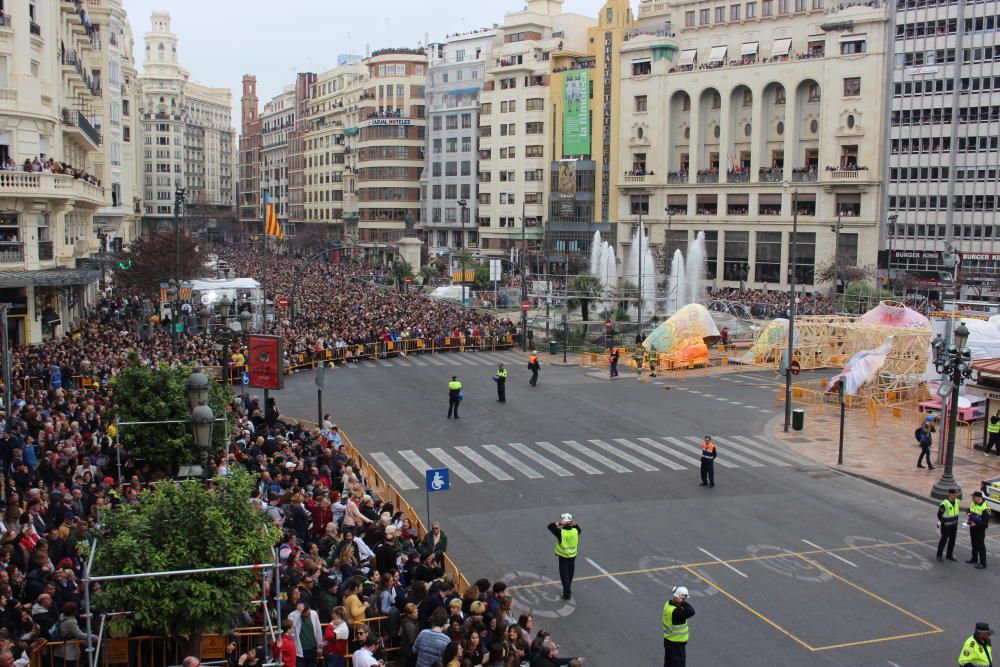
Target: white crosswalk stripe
367,364
625,456
417,361
735,457
402,362
730,443
454,465
769,447
433,360
448,359
383,362
513,462
483,463
667,450
569,458
399,478
540,460
415,460
651,455
600,458
697,452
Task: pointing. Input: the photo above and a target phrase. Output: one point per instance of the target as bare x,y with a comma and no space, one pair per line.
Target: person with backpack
923,437
67,630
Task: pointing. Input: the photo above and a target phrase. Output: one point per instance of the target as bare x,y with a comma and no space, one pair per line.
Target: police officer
978,649
501,379
567,534
613,357
533,366
454,396
979,519
676,613
947,515
708,455
993,431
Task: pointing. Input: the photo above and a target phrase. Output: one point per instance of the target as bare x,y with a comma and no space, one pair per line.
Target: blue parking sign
245,378
438,480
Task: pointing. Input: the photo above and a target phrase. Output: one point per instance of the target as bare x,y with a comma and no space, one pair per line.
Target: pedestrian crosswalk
515,461
442,359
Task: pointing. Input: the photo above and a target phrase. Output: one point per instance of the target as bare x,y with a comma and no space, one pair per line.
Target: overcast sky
221,40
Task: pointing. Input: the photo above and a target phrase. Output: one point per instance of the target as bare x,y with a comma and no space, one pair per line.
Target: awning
816,38
49,277
639,61
717,55
749,48
463,91
782,47
853,38
688,56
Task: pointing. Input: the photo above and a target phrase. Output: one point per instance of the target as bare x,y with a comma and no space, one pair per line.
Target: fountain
676,285
640,248
695,272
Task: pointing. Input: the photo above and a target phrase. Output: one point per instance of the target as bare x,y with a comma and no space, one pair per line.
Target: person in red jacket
284,648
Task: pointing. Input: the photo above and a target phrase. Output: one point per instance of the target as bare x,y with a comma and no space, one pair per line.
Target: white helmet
681,592
566,517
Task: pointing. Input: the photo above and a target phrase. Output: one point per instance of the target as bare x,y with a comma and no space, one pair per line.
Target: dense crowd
765,304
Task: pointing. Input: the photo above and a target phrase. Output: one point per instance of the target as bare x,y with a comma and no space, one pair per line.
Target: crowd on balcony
639,171
848,165
43,165
386,113
764,303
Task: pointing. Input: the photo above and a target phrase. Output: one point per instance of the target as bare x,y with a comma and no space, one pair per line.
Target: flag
271,226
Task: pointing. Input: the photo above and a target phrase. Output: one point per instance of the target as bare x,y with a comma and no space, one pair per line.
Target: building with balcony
296,152
943,152
390,144
276,123
515,122
188,139
330,152
457,70
757,108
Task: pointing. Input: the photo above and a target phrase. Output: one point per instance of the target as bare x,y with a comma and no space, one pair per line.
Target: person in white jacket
308,635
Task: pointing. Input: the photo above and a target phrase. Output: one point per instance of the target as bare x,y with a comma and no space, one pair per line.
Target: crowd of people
765,304
43,165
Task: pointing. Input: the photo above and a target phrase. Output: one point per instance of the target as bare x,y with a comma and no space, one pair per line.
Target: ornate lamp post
954,363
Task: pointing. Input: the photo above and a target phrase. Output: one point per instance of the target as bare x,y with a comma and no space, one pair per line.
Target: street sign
179,327
245,379
796,367
608,325
525,305
283,302
407,280
438,480
496,270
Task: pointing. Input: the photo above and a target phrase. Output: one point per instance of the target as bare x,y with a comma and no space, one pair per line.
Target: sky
221,40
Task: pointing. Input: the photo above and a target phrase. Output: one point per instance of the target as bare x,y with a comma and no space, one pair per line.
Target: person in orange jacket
284,648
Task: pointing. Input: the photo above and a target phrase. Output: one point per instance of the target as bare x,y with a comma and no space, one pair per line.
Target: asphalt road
788,562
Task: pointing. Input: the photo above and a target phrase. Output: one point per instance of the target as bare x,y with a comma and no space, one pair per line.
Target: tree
152,262
429,273
399,270
860,297
180,526
584,288
844,272
144,393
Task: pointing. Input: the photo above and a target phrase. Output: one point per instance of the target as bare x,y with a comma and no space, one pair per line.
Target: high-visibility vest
678,634
978,509
532,359
993,426
974,653
502,373
455,385
949,514
569,541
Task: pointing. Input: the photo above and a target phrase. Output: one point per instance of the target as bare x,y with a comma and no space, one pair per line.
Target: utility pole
791,306
524,280
5,351
641,237
462,204
836,259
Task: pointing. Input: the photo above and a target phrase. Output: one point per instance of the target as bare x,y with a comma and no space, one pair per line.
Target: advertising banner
566,188
264,362
576,113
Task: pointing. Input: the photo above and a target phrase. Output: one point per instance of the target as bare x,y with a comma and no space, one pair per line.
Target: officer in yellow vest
993,431
676,613
947,516
978,649
979,519
454,396
501,379
567,534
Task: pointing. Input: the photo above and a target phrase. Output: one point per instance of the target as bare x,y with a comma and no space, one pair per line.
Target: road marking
403,482
709,395
367,364
452,463
697,452
648,454
769,447
750,407
383,362
402,362
609,576
735,402
415,460
721,562
625,456
694,391
418,362
434,361
541,460
468,361
840,558
751,452
600,458
569,458
449,360
667,450
480,461
514,463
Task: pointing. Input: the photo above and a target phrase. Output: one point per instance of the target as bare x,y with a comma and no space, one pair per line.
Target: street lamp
172,294
197,390
202,422
955,366
462,204
791,304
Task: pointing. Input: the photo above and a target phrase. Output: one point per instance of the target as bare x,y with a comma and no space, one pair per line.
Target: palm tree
400,270
584,288
428,273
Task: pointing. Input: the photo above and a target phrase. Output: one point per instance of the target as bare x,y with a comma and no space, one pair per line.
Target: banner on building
576,113
264,362
566,188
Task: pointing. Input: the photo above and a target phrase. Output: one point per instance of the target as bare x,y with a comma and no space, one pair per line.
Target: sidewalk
886,454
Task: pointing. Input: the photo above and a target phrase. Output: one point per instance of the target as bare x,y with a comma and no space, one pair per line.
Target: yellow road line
877,640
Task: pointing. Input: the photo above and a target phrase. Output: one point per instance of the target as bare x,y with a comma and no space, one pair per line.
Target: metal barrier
400,348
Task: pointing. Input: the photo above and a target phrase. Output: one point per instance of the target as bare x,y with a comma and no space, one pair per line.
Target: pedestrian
978,520
534,367
308,635
454,396
708,456
613,357
923,436
567,534
501,379
993,431
676,613
653,362
947,515
977,650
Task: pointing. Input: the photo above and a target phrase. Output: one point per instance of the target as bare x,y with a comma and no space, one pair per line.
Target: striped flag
271,226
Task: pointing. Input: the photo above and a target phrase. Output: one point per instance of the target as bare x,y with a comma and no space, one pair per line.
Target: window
534,151
485,109
852,44
705,16
451,146
466,144
640,103
767,268
466,121
767,9
639,204
459,55
800,5
451,122
689,19
737,253
436,123
805,257
642,68
751,10
534,128
720,14
782,6
536,104
852,86
734,12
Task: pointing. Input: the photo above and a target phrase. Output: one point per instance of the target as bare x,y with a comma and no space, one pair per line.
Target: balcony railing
642,179
75,118
677,178
708,178
738,177
35,29
5,21
804,176
771,175
844,174
11,253
45,251
35,184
